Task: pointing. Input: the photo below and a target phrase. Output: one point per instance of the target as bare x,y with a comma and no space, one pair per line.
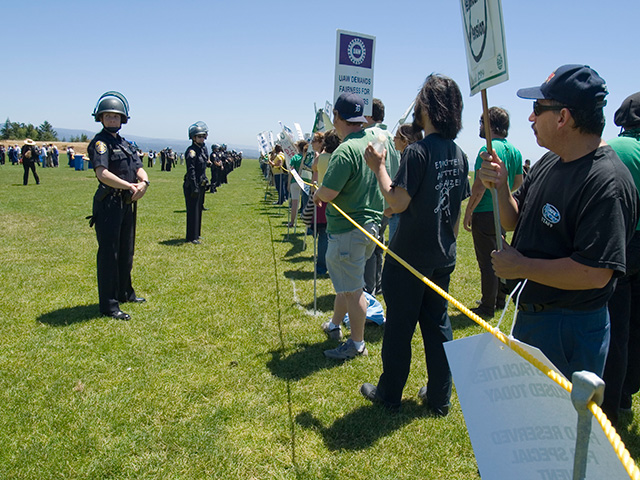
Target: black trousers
194,206
484,241
115,224
29,166
410,301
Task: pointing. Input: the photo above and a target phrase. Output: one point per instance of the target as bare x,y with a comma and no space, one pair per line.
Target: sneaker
346,351
441,411
332,333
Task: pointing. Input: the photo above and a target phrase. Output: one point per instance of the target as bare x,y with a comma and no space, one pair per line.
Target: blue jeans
573,340
393,225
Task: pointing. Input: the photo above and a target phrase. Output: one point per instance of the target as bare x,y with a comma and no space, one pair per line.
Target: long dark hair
440,98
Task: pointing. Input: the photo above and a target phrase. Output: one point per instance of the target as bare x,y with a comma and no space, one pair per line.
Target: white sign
521,423
484,42
355,53
288,148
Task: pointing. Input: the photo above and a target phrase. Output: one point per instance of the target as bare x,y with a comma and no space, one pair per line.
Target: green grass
220,374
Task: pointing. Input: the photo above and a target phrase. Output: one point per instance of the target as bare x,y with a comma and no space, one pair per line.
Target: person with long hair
427,191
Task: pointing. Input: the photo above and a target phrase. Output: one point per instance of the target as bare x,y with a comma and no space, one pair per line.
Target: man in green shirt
478,218
352,187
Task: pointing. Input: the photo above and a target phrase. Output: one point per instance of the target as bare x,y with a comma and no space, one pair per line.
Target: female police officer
123,182
195,180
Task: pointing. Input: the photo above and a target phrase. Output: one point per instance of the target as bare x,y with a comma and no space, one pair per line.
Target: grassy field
221,373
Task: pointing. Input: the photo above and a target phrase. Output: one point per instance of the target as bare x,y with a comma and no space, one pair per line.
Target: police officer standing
123,182
195,180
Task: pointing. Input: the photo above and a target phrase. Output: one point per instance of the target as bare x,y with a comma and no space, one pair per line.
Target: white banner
355,53
522,424
484,41
289,149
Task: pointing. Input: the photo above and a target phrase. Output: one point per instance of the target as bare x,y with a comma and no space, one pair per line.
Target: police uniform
114,217
194,186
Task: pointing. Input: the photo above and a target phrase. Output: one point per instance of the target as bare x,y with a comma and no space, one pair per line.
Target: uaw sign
521,423
355,53
484,42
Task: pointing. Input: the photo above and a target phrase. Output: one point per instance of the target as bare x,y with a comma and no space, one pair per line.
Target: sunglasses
538,108
201,136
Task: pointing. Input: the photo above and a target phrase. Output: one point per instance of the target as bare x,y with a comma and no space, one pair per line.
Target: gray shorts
346,256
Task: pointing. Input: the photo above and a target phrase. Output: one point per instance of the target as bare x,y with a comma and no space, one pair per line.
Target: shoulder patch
101,147
192,153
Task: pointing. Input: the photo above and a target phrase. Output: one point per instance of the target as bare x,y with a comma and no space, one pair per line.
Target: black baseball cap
577,86
628,115
350,106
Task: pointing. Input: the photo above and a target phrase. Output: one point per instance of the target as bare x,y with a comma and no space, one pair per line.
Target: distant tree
84,138
5,132
47,133
31,132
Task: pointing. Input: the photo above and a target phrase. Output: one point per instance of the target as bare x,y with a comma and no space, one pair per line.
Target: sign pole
494,192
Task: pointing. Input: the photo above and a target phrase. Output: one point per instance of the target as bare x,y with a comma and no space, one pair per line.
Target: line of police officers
122,182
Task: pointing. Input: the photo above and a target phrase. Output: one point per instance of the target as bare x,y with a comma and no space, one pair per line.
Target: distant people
478,217
150,159
525,168
2,153
30,154
373,267
123,182
622,368
195,180
294,189
427,191
573,217
55,154
71,154
351,186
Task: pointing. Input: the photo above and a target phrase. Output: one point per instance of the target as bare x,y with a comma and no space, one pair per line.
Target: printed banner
521,423
288,147
485,43
355,54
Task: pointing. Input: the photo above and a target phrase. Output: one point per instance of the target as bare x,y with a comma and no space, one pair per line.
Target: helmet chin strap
112,129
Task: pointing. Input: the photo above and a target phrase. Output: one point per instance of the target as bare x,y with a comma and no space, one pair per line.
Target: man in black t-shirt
573,217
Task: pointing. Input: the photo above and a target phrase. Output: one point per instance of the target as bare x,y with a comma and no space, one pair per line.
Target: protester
277,162
373,267
123,182
427,192
622,368
294,188
352,187
478,217
30,153
573,217
525,168
195,180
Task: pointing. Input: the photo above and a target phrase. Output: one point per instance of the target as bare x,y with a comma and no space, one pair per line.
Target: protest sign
354,66
288,147
484,43
521,423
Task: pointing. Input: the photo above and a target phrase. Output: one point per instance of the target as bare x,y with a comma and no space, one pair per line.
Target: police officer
123,182
195,180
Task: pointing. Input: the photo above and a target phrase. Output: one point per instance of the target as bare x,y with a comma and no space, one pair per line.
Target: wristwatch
147,182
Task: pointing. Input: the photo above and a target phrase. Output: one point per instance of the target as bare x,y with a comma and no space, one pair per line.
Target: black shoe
205,209
441,411
370,392
482,312
120,315
138,300
195,242
500,305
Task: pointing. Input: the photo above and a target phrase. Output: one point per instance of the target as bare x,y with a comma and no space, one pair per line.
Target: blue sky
242,66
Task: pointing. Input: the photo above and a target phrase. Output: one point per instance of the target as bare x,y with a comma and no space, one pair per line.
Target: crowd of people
574,254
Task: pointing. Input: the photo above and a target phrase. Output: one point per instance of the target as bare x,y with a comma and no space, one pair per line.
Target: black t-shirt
587,210
434,173
116,155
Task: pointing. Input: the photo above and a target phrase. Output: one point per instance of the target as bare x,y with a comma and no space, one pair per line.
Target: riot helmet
198,128
112,102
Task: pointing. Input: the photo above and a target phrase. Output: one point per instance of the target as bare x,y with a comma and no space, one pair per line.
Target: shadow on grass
180,211
306,360
324,303
68,316
460,321
173,242
629,433
364,426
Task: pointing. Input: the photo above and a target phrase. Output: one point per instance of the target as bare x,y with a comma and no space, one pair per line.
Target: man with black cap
353,187
573,217
622,370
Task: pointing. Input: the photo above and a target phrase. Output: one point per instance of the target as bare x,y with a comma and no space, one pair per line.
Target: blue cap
350,107
577,86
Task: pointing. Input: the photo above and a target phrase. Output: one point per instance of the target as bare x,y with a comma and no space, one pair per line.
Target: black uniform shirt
116,155
196,157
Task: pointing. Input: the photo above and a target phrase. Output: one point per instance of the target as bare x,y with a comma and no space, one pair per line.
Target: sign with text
485,43
355,53
521,423
288,147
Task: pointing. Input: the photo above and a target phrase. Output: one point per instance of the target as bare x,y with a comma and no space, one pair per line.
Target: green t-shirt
295,162
348,174
512,159
627,146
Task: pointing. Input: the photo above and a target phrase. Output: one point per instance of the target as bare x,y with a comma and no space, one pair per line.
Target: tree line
18,131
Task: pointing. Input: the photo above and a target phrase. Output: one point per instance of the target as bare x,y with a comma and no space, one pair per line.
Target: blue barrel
79,162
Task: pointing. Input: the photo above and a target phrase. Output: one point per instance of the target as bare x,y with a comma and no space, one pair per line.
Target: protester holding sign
352,187
427,191
573,217
277,162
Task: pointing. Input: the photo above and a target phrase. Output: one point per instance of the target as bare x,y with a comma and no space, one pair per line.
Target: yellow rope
610,432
